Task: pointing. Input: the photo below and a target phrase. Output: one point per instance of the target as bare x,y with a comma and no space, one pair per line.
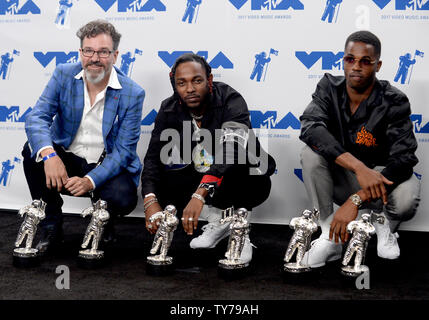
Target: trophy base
296,274
25,258
90,259
228,270
159,267
351,271
296,268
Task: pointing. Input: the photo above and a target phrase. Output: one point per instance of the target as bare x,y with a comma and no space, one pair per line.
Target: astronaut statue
99,219
304,227
361,231
164,235
34,213
239,230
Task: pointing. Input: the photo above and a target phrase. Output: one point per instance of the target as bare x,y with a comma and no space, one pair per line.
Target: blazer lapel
110,109
77,105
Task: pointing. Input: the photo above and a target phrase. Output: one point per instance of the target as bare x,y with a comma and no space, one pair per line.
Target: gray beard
95,80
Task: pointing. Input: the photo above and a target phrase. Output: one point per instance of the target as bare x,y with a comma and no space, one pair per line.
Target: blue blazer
57,114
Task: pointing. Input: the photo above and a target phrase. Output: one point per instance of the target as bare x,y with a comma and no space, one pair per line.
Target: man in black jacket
203,151
359,153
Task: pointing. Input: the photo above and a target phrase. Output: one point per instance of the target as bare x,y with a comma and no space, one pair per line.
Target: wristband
197,196
53,154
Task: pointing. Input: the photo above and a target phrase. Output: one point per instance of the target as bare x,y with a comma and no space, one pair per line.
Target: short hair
96,27
365,37
190,57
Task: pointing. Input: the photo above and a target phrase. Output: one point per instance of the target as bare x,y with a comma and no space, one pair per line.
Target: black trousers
238,189
120,192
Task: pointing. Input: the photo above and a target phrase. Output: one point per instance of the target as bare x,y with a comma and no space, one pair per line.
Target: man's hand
192,212
344,215
372,183
78,186
152,227
55,171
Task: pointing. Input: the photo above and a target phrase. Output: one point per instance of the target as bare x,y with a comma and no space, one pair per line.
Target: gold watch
356,200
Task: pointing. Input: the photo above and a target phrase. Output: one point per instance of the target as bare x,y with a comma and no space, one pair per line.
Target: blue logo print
220,60
12,114
268,120
269,4
298,173
6,64
11,7
127,61
405,62
404,4
63,14
330,60
191,7
331,10
150,118
416,119
60,57
6,169
132,5
261,62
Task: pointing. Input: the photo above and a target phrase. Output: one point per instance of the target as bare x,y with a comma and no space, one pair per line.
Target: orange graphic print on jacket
365,138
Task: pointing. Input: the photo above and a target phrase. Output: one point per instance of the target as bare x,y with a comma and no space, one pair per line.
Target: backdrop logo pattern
417,122
269,4
62,17
405,68
132,5
404,4
12,114
268,120
58,56
7,168
13,7
332,9
149,119
219,60
192,10
6,61
127,61
330,60
261,64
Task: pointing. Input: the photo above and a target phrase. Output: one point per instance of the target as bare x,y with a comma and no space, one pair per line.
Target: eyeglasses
363,61
103,53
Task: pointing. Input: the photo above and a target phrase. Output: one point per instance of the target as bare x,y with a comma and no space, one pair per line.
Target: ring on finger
149,226
190,219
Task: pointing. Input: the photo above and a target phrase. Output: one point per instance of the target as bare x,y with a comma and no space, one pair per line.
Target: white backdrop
229,33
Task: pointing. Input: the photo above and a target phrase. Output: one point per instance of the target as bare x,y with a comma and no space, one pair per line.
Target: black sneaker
52,237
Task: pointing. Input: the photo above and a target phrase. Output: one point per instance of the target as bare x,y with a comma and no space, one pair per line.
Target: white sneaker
247,252
212,233
322,251
387,243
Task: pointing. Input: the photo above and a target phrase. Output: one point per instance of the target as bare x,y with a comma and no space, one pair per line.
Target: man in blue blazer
83,133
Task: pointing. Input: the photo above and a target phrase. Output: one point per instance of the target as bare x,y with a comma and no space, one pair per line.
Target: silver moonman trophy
33,214
92,257
239,230
161,264
304,227
361,230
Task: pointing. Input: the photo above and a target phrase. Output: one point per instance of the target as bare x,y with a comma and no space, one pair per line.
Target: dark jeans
238,189
120,192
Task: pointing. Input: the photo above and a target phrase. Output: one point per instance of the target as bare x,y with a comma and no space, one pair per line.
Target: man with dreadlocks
359,153
182,168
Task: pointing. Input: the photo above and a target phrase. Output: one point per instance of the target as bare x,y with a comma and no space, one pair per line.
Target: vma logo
6,63
417,119
330,60
269,4
11,7
132,5
12,114
406,63
220,60
150,118
60,57
404,4
268,120
7,170
127,61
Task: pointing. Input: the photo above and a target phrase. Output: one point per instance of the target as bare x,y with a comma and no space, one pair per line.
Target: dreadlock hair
365,37
189,57
96,27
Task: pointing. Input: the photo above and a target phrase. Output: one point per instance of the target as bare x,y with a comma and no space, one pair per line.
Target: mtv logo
12,7
330,60
417,119
220,60
60,57
269,4
12,114
268,120
150,118
404,4
132,5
